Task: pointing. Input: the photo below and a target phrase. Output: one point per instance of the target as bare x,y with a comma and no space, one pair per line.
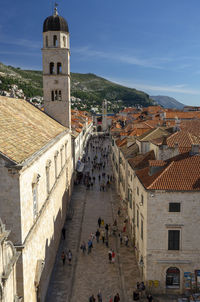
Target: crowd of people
97,175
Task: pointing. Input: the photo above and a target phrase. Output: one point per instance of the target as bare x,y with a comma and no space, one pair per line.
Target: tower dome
55,23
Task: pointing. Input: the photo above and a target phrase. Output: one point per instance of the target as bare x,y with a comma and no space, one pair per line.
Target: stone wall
157,220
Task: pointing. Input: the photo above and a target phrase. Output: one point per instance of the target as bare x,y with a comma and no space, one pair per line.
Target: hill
90,88
167,102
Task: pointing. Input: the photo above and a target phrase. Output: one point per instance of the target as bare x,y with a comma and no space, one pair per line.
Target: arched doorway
173,277
99,129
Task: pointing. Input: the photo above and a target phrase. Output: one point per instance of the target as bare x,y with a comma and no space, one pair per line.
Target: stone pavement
90,273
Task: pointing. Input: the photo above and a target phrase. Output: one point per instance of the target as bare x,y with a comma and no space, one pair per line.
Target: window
56,95
47,176
55,41
142,199
56,164
64,41
173,240
61,156
35,200
47,41
137,218
173,277
52,96
137,191
59,68
60,96
174,207
141,229
35,194
51,68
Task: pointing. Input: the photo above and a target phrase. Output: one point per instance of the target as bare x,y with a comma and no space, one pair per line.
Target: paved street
90,273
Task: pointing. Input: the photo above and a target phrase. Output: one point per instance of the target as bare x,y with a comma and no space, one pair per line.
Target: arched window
64,41
59,68
60,96
173,277
52,95
56,95
51,68
55,41
47,41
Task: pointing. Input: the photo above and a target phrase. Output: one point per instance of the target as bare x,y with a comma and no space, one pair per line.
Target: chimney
195,149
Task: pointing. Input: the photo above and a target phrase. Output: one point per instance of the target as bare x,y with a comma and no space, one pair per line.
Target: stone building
35,186
8,260
36,166
167,220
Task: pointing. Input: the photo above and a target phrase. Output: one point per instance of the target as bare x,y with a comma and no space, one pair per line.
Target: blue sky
152,46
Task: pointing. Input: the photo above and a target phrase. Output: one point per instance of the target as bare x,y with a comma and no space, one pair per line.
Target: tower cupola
55,23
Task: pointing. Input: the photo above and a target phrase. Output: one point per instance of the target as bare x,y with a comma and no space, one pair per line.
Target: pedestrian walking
116,298
110,256
103,236
113,256
99,222
120,238
63,257
92,299
149,298
97,235
89,246
69,257
126,240
99,296
102,222
136,295
83,247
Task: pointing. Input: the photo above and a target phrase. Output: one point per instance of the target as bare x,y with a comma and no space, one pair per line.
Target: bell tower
56,69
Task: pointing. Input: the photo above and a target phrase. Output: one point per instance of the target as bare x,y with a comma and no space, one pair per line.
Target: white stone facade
34,201
56,76
152,223
8,259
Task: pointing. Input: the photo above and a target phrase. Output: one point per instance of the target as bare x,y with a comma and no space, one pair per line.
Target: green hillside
88,87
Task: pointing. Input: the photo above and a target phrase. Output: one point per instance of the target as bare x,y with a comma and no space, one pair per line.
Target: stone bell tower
56,69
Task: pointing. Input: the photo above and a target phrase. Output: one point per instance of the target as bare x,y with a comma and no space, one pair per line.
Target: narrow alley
89,273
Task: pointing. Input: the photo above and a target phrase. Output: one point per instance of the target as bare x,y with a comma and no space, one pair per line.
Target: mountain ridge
167,102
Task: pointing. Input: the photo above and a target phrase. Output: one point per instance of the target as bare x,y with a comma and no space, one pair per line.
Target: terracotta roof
181,173
142,160
129,151
184,139
193,126
157,163
182,115
24,129
153,134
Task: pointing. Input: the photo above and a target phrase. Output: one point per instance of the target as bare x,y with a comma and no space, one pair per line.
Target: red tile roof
184,139
181,173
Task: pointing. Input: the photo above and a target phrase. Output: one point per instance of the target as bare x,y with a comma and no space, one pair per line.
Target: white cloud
20,42
157,63
180,88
